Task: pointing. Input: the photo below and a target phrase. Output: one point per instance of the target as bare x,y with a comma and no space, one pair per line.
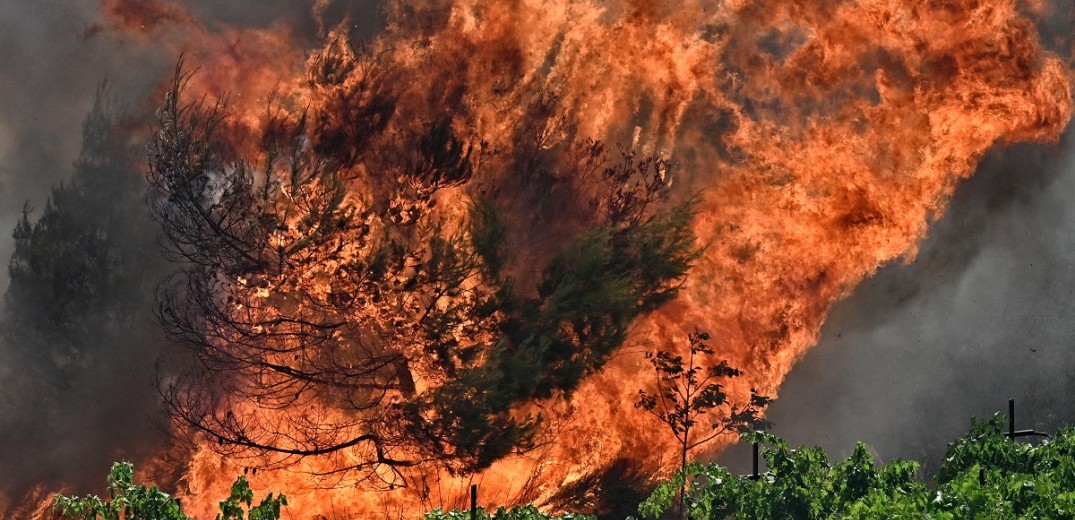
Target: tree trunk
683,486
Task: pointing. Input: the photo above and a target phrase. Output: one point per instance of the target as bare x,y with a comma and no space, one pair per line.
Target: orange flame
242,65
826,136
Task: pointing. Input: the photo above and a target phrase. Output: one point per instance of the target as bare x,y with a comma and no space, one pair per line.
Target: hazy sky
48,78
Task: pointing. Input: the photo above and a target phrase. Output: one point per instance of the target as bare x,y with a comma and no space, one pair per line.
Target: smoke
53,62
6,142
309,19
984,314
76,388
51,75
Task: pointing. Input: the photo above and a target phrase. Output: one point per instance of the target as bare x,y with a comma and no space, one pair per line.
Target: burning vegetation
352,296
438,256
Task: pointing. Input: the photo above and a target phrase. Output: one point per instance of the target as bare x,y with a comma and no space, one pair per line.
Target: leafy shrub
985,475
130,501
515,513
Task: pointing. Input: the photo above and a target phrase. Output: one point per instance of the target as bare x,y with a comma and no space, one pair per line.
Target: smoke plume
982,315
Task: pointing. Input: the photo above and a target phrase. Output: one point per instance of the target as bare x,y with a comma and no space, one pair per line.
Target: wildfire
824,138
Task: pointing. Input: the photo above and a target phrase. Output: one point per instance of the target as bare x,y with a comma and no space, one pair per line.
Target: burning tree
352,292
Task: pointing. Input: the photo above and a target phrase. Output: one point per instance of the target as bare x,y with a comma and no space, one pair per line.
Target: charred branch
332,307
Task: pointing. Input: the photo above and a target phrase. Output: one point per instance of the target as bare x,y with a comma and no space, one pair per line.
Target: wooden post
1011,418
473,502
754,474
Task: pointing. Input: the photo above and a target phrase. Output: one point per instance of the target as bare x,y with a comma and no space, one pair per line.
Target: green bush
985,475
515,513
130,501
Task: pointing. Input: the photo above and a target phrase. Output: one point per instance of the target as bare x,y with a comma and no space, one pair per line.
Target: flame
243,66
824,136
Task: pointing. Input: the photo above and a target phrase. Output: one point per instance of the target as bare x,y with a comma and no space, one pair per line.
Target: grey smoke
985,313
48,78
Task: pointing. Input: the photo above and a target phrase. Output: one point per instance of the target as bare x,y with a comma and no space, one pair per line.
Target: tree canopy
354,292
80,269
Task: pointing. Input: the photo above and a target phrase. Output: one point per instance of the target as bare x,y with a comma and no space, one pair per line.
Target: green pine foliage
82,273
588,296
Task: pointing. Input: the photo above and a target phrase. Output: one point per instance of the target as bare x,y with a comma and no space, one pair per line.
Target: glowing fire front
822,137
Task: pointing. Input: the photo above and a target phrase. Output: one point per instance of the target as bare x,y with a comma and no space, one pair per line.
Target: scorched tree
352,289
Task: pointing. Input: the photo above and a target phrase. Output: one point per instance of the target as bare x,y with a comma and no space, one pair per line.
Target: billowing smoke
51,75
64,408
983,315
